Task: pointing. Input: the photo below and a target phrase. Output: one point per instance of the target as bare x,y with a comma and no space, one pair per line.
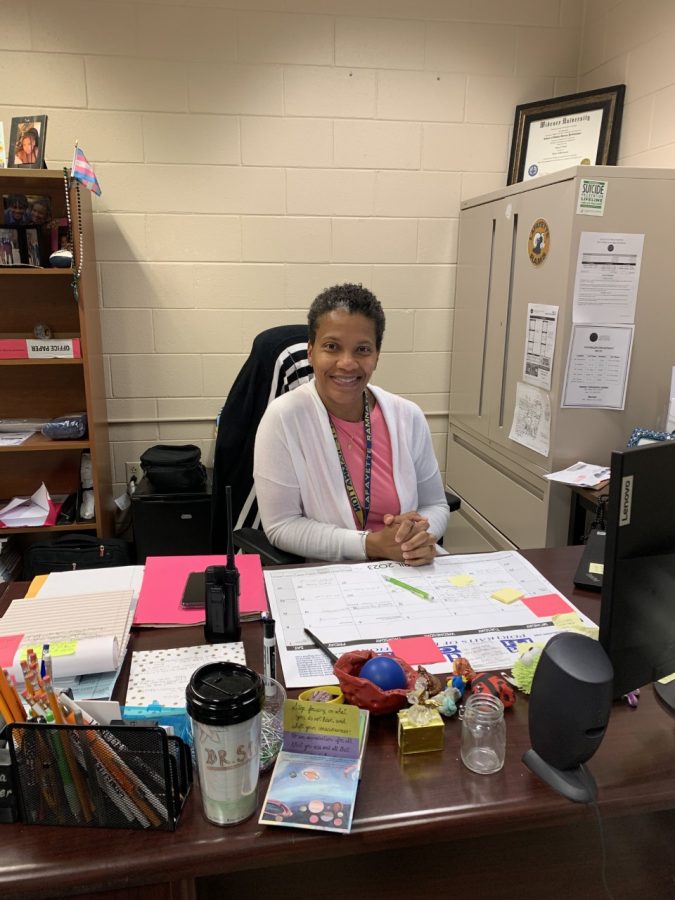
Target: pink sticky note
547,605
165,578
416,650
9,644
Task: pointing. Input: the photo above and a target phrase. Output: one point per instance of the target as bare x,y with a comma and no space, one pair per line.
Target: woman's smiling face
344,357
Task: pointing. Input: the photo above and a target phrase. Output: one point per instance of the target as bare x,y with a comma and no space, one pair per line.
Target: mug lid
224,693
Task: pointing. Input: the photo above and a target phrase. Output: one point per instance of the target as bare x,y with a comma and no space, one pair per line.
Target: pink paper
165,578
416,650
8,646
547,605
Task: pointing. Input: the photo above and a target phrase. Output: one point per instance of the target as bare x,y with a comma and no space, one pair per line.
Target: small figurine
494,683
425,697
42,332
462,675
433,683
525,666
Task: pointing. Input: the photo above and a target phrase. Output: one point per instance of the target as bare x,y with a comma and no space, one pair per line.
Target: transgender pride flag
82,170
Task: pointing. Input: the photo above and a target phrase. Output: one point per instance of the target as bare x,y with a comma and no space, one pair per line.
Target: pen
317,643
418,592
46,664
269,651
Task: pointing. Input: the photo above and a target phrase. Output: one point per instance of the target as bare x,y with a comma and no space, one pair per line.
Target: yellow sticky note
596,568
63,648
591,631
507,595
566,620
667,679
461,580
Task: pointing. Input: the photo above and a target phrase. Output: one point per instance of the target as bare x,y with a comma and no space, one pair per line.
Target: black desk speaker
569,709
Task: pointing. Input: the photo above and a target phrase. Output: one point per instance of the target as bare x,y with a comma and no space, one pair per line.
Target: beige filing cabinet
501,482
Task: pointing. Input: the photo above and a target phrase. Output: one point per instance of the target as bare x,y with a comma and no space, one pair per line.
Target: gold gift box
414,738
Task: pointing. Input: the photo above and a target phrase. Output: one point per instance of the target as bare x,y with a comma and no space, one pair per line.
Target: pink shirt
383,496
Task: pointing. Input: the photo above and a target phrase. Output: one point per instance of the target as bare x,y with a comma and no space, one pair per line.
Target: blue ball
385,672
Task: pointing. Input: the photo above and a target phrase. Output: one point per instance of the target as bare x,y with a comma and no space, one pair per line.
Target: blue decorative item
459,684
385,672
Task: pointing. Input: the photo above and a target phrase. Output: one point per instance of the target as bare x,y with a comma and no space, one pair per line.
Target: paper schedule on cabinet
597,366
607,278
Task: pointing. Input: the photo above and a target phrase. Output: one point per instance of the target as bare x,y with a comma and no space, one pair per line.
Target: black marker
269,649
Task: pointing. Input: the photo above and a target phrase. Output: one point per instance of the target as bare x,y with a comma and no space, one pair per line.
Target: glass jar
483,740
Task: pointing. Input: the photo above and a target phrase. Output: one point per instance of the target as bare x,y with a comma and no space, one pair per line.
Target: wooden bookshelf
46,388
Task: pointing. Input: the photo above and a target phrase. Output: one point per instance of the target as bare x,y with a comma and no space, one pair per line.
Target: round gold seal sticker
539,242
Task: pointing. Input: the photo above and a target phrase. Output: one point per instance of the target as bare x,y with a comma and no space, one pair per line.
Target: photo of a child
9,247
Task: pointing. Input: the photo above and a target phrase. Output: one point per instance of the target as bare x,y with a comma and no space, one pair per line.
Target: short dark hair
352,297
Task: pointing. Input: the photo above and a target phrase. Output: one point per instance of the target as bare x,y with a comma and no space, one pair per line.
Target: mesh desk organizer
96,775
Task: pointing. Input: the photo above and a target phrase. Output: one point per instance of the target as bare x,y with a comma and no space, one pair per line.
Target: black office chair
277,364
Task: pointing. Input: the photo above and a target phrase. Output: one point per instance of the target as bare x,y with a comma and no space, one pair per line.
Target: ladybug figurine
496,684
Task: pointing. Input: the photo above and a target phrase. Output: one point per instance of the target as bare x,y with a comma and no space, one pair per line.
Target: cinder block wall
252,152
632,43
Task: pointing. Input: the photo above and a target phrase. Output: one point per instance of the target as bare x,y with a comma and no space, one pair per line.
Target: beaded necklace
360,512
77,270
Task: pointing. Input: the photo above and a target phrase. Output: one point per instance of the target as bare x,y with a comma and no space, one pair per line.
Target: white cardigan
302,499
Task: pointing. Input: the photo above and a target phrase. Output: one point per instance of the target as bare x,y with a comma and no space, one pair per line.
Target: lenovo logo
626,500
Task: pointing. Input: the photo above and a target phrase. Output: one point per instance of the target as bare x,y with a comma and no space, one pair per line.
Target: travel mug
224,702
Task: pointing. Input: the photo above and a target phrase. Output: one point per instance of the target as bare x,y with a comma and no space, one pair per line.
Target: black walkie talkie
221,584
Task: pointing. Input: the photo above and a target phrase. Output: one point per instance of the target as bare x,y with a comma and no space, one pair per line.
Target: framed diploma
578,129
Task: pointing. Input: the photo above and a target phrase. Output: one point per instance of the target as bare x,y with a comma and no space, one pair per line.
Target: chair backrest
277,364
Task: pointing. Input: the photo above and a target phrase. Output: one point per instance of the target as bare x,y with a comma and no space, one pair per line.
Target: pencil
70,760
418,592
317,643
11,698
5,711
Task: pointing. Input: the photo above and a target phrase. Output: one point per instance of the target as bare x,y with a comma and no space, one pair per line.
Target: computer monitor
637,615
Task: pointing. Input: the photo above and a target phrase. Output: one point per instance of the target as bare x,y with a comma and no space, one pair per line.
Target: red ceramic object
363,693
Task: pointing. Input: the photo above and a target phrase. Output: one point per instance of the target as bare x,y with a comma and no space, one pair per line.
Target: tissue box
413,738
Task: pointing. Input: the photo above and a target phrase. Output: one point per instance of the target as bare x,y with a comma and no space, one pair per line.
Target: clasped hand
404,538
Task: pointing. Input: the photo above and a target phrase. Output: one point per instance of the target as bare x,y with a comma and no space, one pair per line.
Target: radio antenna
230,539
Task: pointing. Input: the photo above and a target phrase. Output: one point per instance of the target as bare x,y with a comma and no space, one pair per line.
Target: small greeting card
316,775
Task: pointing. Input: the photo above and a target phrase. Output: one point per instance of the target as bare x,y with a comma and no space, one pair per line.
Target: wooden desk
584,505
424,825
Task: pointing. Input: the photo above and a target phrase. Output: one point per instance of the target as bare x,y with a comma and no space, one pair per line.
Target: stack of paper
90,636
85,616
582,474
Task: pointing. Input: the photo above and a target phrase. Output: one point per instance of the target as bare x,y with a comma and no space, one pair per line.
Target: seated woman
344,469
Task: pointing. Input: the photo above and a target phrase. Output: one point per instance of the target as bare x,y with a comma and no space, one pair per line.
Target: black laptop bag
74,551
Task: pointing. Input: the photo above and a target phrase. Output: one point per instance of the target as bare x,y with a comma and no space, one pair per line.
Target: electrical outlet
133,470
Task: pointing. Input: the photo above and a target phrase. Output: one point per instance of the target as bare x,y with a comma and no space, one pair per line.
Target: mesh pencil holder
105,776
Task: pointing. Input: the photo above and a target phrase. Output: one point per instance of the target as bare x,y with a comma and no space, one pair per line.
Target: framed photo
33,254
26,210
640,436
27,142
9,247
578,129
60,239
